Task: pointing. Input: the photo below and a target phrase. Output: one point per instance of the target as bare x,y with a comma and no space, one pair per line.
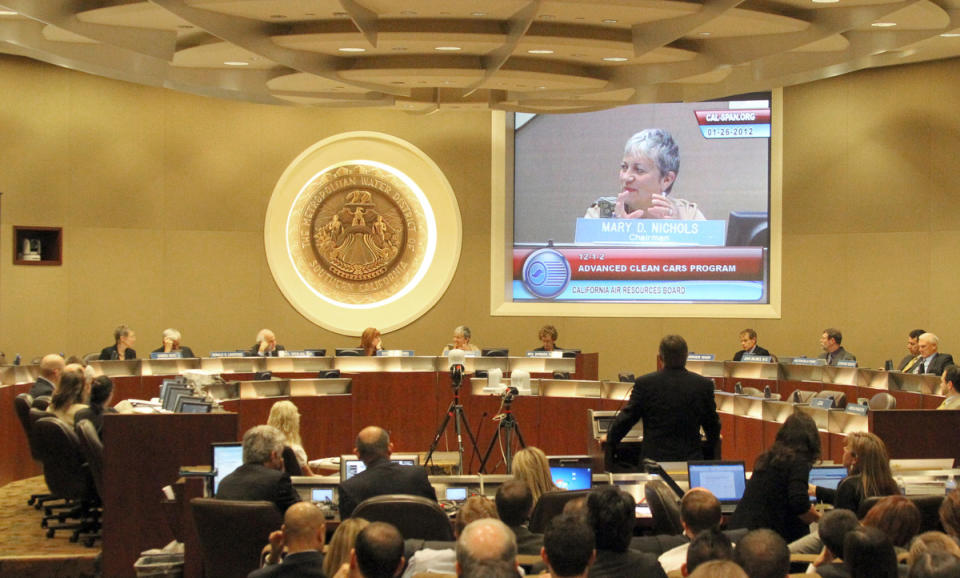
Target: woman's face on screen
640,179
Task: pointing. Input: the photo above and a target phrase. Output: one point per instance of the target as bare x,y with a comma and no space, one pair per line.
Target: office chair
41,402
92,449
22,404
664,507
882,400
232,533
415,516
93,356
801,396
551,505
929,506
290,463
839,398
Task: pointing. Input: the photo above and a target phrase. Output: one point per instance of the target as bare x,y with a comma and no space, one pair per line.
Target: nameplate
857,409
701,357
554,353
465,353
822,402
846,363
651,232
167,355
809,361
757,358
296,353
226,354
395,353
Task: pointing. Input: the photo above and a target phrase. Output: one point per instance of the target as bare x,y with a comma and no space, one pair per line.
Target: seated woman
370,341
651,162
776,494
69,395
101,392
170,342
548,337
530,465
341,543
123,338
461,340
868,464
285,416
898,518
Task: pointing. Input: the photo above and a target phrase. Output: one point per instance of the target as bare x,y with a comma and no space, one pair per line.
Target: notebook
725,480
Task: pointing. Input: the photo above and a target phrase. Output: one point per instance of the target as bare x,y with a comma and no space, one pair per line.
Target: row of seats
882,400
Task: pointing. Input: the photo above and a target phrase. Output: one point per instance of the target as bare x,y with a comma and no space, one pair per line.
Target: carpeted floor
25,550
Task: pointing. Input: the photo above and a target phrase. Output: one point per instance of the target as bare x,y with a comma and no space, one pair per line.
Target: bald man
487,548
302,533
51,368
381,476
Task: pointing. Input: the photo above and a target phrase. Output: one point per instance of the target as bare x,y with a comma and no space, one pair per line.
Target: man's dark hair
834,527
749,333
916,333
834,334
700,510
673,351
708,545
612,514
869,553
569,543
951,374
935,564
379,549
100,390
763,554
514,502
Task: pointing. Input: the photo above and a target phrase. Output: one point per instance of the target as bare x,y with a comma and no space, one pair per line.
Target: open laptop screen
567,478
726,480
826,477
226,458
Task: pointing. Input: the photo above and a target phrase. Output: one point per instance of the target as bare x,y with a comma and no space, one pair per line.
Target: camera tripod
508,426
455,410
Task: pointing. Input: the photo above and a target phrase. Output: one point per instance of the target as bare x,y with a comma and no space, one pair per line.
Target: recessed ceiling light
408,13
883,24
950,35
340,14
541,87
396,82
399,48
614,59
352,49
236,63
609,21
185,26
705,33
548,16
825,1
278,16
447,48
7,13
478,14
539,51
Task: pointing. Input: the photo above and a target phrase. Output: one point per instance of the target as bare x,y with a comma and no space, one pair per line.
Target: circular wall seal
352,233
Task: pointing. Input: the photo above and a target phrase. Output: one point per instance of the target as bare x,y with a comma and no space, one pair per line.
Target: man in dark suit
833,352
931,360
673,404
51,367
748,344
171,344
261,477
303,533
266,345
381,476
913,346
612,514
514,504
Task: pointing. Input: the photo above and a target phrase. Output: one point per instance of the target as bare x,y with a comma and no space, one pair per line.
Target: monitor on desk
494,352
225,458
351,465
568,478
725,480
826,477
349,352
171,393
321,495
189,404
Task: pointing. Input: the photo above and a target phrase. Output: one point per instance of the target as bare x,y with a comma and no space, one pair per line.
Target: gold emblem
357,233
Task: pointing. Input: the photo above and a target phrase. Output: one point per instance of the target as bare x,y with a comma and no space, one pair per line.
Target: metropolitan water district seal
357,233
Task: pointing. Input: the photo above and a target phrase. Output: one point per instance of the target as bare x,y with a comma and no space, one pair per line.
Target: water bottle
16,360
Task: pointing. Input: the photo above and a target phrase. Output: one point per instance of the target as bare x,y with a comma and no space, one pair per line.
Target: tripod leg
440,430
486,456
473,438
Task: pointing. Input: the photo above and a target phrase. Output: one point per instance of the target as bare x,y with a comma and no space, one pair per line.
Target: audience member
763,554
931,360
710,544
461,340
101,392
748,345
514,504
51,367
548,338
699,511
530,465
170,343
719,569
381,476
868,465
285,416
868,553
913,347
370,341
261,477
833,529
950,387
123,338
302,534
612,514
568,547
950,514
833,352
776,495
266,345
441,557
932,541
935,564
378,553
341,544
486,547
70,394
897,517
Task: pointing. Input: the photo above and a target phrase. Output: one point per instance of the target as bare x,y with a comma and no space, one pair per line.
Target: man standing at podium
674,404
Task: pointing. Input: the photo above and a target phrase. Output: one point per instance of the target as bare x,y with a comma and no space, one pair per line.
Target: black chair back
928,505
232,534
290,463
64,468
415,516
664,507
22,404
551,505
92,449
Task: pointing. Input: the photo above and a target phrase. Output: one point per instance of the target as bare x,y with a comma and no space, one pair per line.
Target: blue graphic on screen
571,478
226,458
827,477
725,481
546,273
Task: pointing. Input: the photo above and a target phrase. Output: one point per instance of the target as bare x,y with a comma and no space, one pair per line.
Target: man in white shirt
931,360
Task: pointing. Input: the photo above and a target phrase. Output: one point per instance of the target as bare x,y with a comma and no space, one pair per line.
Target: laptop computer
826,477
225,458
571,478
725,479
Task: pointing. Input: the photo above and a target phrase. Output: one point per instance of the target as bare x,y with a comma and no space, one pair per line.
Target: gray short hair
171,334
262,333
260,442
120,331
484,541
656,144
931,338
462,330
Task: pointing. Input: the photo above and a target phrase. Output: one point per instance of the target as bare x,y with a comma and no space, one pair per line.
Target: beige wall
162,199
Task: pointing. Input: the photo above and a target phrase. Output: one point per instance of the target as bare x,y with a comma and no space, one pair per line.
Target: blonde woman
285,416
530,466
342,541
